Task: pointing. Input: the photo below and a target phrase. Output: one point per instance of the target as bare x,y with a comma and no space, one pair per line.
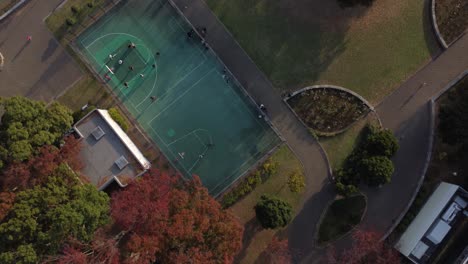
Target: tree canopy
376,170
27,125
381,143
453,116
367,248
272,212
167,220
44,217
27,174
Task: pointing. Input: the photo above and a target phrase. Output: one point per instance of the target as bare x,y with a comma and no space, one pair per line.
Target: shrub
75,10
346,190
272,212
70,21
269,168
77,115
247,185
118,118
381,143
241,190
296,182
376,170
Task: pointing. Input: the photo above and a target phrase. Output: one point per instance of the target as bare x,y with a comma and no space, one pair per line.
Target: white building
107,151
431,227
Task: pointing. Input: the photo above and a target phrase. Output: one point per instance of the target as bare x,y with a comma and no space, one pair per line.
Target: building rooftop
433,223
108,153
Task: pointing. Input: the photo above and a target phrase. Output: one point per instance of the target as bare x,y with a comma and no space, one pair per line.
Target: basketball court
178,91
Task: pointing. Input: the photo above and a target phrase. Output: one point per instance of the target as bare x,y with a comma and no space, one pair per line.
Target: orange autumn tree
164,219
366,249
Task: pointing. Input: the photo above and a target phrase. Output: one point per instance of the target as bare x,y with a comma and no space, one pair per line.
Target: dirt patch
328,110
452,18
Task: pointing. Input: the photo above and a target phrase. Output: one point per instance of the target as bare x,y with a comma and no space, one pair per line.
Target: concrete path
318,191
407,113
40,69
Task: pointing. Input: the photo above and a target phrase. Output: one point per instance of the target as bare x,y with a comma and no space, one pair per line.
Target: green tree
376,170
118,118
27,125
272,212
46,216
296,182
453,116
346,190
381,143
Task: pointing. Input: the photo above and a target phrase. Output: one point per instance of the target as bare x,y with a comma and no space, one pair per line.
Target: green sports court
178,91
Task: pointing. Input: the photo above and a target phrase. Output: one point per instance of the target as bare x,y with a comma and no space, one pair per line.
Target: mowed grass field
370,50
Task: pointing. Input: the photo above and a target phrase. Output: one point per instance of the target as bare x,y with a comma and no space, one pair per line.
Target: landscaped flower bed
452,18
328,110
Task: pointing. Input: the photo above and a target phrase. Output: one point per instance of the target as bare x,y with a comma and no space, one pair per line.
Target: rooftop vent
98,133
121,162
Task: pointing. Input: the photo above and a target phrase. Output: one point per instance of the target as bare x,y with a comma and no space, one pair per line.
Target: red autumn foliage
278,252
7,200
71,255
169,220
103,249
21,175
366,249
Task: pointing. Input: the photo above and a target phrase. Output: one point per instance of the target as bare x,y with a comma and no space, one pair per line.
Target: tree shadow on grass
251,228
293,42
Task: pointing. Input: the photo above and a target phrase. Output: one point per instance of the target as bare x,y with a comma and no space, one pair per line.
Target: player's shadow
21,50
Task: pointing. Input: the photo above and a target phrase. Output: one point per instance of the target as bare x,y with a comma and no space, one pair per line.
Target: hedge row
250,183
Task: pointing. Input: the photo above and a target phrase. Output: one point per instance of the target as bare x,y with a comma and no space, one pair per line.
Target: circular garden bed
452,18
327,110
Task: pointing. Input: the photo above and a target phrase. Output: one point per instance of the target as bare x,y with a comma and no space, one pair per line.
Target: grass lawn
339,147
56,22
301,43
341,216
258,239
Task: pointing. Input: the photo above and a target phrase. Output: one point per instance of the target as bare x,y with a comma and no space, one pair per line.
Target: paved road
406,112
318,191
40,69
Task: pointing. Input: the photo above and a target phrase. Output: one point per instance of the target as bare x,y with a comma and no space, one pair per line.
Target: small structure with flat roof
442,213
108,153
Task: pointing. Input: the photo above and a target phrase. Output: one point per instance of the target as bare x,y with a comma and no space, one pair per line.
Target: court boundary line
150,54
238,84
177,83
181,96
